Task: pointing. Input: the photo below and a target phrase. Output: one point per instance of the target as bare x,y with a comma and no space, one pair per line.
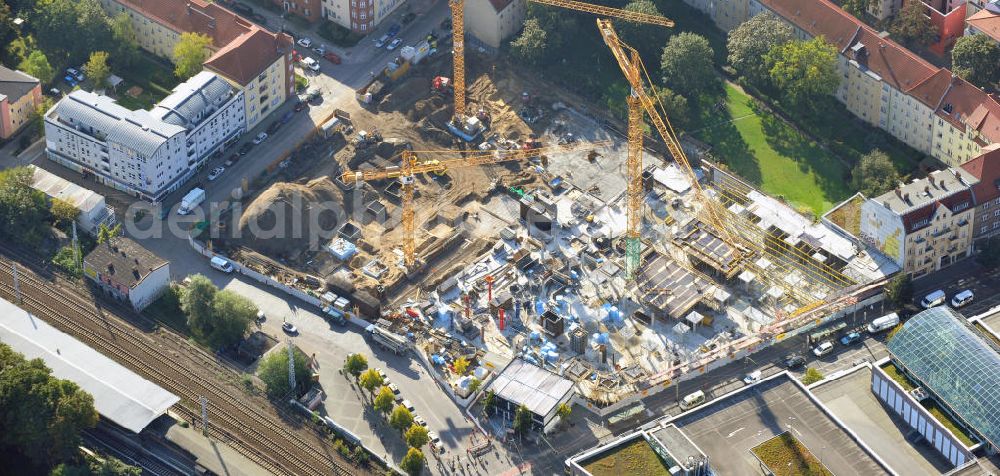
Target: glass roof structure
954,362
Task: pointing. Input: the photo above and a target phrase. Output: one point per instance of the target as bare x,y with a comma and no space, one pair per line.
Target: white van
935,298
221,264
962,298
692,400
883,323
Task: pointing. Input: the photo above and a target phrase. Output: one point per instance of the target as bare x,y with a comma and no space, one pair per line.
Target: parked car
332,57
752,377
420,420
301,105
381,41
289,328
851,338
232,160
260,138
794,361
320,50
304,42
261,317
76,74
935,298
313,94
823,348
221,264
435,442
394,388
215,173
409,406
692,400
395,44
245,148
962,298
310,63
273,127
393,30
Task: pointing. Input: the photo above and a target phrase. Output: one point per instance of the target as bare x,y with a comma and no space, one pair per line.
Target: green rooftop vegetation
947,421
786,456
635,457
894,373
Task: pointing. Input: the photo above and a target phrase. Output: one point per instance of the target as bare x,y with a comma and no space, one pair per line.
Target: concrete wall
889,392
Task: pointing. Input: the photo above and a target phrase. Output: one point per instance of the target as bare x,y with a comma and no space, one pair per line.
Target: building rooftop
55,186
986,169
124,259
100,116
916,200
15,84
194,100
668,287
530,385
244,49
120,395
943,353
987,20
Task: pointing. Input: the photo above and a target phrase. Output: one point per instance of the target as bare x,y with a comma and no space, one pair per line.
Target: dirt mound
291,216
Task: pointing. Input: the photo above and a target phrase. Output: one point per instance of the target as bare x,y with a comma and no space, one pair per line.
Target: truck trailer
387,339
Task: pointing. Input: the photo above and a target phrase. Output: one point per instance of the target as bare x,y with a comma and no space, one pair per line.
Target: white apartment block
360,16
145,153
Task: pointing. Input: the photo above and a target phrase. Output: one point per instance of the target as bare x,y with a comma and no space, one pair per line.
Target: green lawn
156,78
167,310
633,458
786,456
764,150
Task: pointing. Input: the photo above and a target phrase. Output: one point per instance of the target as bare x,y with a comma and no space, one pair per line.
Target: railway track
171,362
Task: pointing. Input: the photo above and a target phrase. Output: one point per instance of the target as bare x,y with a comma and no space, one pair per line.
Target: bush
812,376
338,35
66,261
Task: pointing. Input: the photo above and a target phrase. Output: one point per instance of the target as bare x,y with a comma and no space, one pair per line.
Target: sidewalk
27,156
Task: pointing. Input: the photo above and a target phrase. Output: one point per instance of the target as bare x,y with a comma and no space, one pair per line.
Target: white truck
191,200
390,340
883,323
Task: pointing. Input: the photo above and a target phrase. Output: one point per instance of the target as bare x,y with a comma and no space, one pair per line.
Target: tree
196,302
754,38
401,418
645,38
37,118
675,106
912,25
8,31
42,415
355,364
384,400
976,58
564,411
522,419
812,376
92,466
874,174
805,71
858,8
189,54
461,364
416,436
70,29
37,65
273,371
413,462
232,315
104,233
530,46
63,211
19,49
489,399
23,210
370,380
474,385
687,64
66,259
899,289
97,68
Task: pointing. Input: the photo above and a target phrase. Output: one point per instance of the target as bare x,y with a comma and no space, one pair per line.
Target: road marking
730,435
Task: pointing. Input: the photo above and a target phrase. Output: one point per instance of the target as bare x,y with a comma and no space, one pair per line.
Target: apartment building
985,22
986,169
360,16
249,57
126,271
20,93
310,10
491,22
924,225
145,153
885,84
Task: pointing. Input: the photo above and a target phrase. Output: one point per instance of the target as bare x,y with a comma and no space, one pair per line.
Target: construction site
503,217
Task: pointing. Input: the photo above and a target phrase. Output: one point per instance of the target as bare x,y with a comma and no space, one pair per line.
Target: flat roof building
521,383
120,395
94,211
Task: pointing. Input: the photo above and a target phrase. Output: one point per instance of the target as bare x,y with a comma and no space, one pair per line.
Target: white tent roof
120,395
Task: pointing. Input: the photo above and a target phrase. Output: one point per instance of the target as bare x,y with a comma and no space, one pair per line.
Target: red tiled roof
986,22
499,5
966,105
914,217
244,58
986,168
930,90
241,45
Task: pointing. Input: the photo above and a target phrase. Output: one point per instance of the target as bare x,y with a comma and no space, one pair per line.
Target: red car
332,57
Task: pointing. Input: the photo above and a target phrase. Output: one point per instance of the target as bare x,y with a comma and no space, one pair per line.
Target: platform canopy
120,395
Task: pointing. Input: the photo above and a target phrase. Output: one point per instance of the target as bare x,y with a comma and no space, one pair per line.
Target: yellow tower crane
458,30
444,160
